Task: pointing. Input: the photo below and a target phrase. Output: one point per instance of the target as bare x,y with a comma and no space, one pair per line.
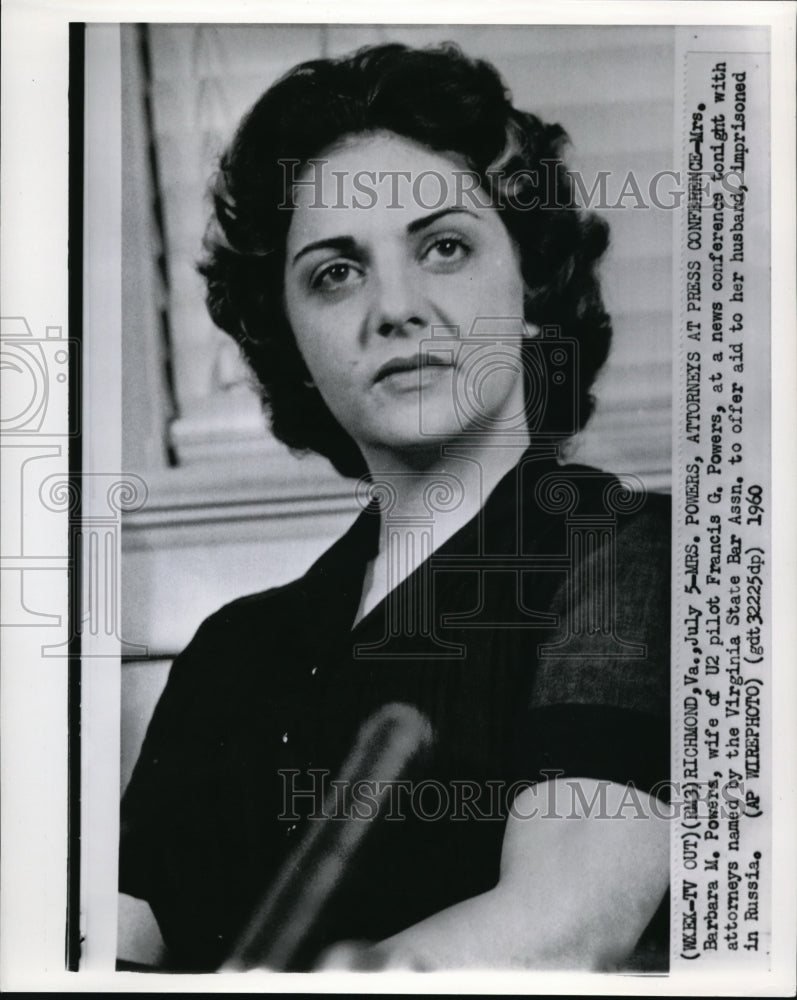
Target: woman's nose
398,306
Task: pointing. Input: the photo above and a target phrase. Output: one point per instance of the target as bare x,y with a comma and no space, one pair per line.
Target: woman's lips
408,369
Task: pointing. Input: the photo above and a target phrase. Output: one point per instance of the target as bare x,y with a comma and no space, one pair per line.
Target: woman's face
405,297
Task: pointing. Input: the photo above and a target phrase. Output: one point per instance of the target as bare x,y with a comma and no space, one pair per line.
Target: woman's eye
447,250
335,276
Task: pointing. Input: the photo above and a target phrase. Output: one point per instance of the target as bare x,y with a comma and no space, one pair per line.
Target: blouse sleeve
174,851
599,704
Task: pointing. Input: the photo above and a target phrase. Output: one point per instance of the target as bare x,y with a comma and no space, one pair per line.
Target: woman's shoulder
582,492
258,607
614,603
246,646
256,621
292,607
620,514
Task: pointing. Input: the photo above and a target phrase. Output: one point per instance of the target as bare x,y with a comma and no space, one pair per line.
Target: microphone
388,743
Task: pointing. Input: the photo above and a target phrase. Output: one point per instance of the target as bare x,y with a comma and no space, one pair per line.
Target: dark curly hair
452,104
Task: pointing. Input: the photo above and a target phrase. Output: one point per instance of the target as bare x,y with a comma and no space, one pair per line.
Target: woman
396,250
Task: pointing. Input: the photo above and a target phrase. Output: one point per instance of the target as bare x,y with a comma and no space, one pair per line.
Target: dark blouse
544,653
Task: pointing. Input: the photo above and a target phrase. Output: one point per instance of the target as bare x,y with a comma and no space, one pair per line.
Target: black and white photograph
406,449
396,250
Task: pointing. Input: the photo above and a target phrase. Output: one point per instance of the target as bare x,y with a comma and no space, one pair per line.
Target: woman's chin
414,444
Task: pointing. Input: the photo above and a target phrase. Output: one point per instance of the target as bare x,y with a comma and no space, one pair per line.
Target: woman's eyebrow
342,244
348,245
418,225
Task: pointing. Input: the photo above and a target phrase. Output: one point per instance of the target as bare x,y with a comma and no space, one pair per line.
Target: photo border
36,824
